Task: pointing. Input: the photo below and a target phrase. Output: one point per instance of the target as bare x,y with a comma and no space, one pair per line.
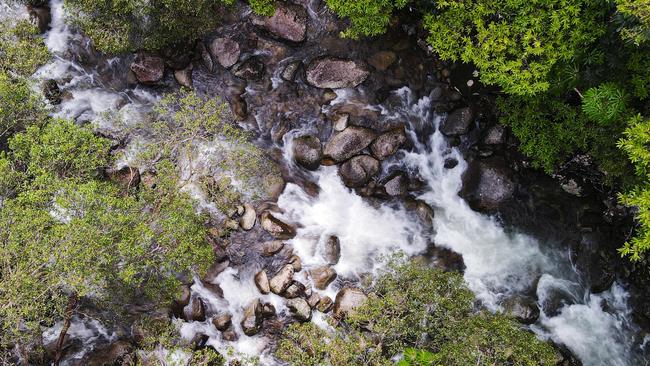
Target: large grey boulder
225,50
388,143
348,143
289,22
335,73
488,183
307,151
457,122
359,170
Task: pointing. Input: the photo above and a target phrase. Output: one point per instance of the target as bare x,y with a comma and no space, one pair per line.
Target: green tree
605,104
22,49
367,17
19,107
635,19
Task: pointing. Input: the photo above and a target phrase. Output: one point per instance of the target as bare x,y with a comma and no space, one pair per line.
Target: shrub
22,49
19,107
367,17
605,104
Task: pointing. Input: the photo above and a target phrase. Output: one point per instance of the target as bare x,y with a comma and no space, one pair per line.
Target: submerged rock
457,122
300,309
276,227
250,69
335,73
332,250
382,60
225,51
388,143
307,151
358,171
148,69
270,248
198,310
252,320
348,143
347,300
282,279
289,22
396,184
289,72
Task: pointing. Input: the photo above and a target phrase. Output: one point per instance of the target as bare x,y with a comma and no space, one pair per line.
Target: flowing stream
499,262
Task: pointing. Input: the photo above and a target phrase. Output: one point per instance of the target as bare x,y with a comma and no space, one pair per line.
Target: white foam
58,36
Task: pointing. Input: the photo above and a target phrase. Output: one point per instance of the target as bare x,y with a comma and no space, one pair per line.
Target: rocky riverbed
380,147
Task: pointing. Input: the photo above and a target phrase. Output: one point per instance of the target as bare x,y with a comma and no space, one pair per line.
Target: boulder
325,304
347,300
332,250
222,321
348,143
296,263
457,122
250,69
184,76
272,247
522,308
382,60
340,122
262,282
289,72
181,302
198,310
396,184
322,276
282,279
40,16
334,73
300,309
307,151
296,289
388,143
247,221
358,171
225,50
276,227
289,22
313,300
488,183
252,320
229,335
268,310
148,69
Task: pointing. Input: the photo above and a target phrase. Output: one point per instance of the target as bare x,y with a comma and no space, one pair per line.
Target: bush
22,49
367,17
19,107
605,104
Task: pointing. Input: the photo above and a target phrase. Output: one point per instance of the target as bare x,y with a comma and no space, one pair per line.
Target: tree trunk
69,311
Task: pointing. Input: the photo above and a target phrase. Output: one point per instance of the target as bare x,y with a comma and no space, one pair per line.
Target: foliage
605,104
635,144
424,313
636,20
19,107
514,44
263,7
308,345
22,49
367,17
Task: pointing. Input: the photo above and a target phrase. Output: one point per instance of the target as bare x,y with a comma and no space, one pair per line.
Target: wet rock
225,50
289,72
148,69
41,16
396,184
289,22
450,163
268,310
182,301
448,260
313,300
249,217
359,170
184,76
496,135
282,279
382,60
52,92
250,69
322,276
262,282
276,227
126,178
388,143
522,308
252,320
215,269
347,300
457,122
198,310
270,248
296,263
487,184
340,122
325,304
222,321
229,335
348,143
202,51
300,309
332,250
239,108
307,151
335,73
296,289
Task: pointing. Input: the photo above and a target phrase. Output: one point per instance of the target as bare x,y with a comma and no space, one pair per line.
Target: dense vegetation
426,314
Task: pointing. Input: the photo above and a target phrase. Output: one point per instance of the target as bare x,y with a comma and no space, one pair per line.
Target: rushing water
499,262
